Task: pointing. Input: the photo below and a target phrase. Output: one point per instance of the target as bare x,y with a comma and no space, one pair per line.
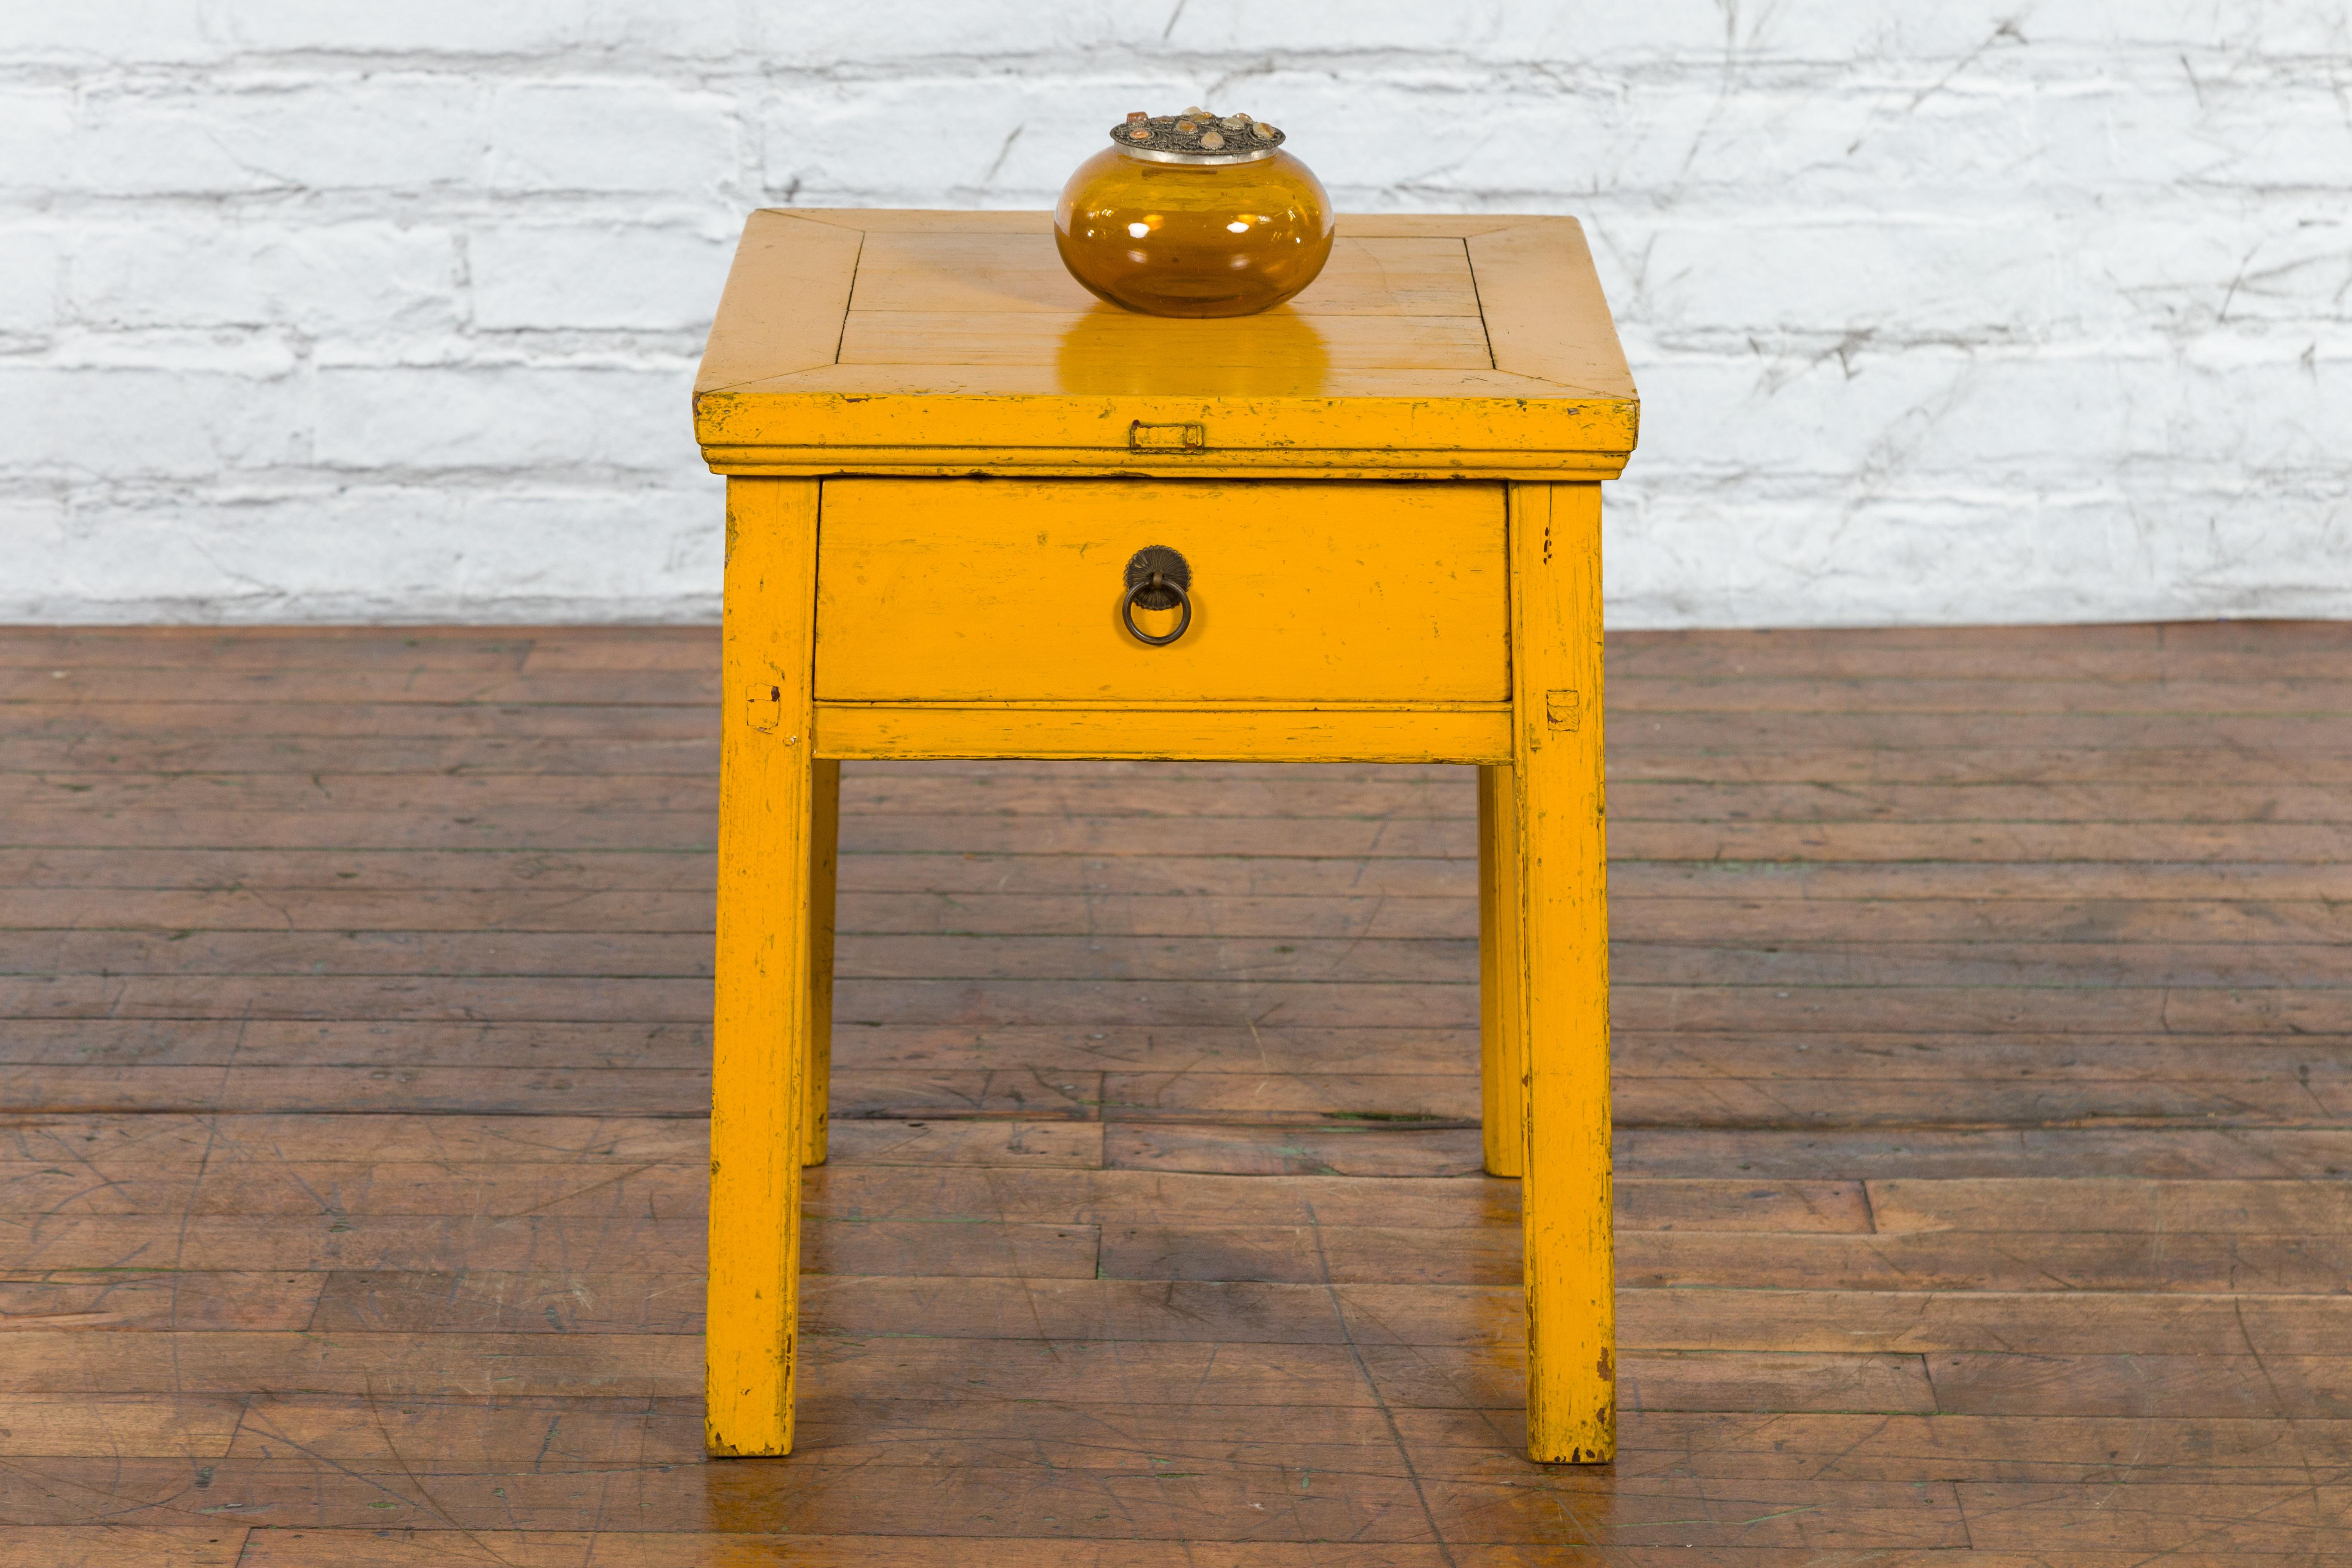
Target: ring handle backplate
1157,578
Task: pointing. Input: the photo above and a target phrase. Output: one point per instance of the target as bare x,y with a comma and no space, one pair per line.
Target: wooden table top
955,343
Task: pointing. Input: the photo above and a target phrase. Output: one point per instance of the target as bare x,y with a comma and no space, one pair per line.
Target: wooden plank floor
1984,1074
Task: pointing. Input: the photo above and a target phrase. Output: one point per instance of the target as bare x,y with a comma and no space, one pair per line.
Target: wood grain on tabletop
1984,1066
977,271
898,318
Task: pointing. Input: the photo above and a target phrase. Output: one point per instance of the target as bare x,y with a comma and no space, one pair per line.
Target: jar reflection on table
1191,238
1105,350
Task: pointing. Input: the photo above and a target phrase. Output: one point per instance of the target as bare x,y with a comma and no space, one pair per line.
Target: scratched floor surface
1984,1075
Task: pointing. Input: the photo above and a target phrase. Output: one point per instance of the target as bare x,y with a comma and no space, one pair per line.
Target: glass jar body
1193,239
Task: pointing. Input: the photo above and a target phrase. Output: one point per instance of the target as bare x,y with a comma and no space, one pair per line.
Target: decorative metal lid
1195,136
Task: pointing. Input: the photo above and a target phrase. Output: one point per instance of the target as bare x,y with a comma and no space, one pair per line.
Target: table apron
1457,732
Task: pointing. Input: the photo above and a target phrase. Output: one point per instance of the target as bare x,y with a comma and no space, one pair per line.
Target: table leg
761,1003
824,850
1564,1184
1502,1063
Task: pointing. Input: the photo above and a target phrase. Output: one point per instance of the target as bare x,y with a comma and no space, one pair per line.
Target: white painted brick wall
1974,311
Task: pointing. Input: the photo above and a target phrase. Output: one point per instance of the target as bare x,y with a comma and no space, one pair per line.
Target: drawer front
1011,590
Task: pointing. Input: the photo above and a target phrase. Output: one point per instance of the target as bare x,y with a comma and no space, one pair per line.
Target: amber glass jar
1193,214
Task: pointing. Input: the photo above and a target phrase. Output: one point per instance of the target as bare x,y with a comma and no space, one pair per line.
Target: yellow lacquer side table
1378,515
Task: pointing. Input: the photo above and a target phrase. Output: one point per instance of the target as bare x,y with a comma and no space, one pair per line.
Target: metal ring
1154,156
1156,580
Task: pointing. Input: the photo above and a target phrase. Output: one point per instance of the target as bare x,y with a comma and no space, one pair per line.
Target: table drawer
1011,590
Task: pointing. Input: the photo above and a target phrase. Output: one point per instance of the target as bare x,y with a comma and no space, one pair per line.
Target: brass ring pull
1156,578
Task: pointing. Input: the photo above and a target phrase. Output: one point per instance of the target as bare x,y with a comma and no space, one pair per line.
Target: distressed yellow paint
992,446
865,448
1164,733
1001,589
1100,343
989,271
937,343
761,1016
1502,1074
1564,994
825,853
